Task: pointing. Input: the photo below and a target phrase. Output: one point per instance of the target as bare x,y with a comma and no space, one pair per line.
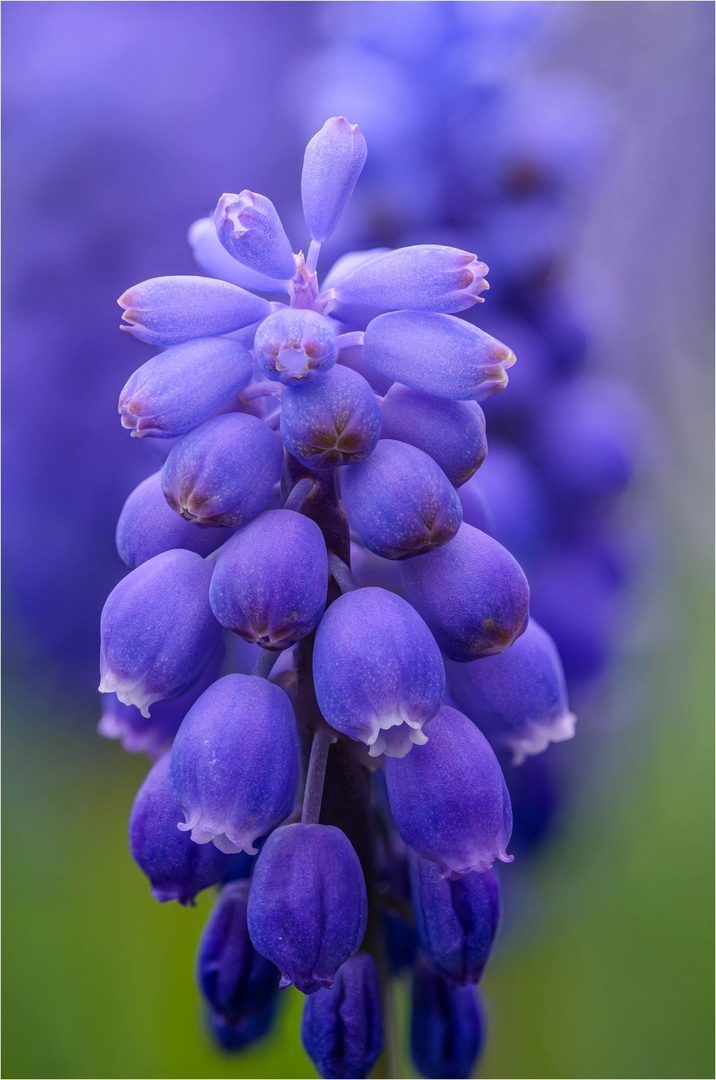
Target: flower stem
314,251
345,341
265,663
299,493
313,793
341,574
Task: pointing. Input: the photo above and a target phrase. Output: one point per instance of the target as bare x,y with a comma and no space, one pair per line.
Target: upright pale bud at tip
333,161
250,229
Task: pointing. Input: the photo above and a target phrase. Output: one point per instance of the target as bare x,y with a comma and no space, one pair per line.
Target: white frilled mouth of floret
394,735
128,692
538,735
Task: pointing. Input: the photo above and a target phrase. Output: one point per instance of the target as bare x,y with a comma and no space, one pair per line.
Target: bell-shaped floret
234,763
472,594
294,344
237,982
456,921
342,1028
451,432
400,502
157,630
437,353
271,580
449,798
519,698
151,735
148,526
249,227
176,868
333,161
223,472
446,1026
378,673
178,389
426,277
331,421
170,310
307,904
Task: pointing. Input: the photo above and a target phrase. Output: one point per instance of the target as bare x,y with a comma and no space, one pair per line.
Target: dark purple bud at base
237,982
330,421
378,673
224,472
400,502
157,630
472,594
451,432
446,1026
271,580
295,344
342,1028
449,798
148,526
456,921
177,868
519,698
307,904
179,388
235,1037
234,763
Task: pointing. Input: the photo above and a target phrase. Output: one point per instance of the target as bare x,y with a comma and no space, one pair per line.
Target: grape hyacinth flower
270,485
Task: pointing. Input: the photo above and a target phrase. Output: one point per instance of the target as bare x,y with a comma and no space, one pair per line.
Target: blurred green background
605,966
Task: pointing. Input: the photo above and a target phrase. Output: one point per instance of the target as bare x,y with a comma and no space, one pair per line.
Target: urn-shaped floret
237,982
378,672
446,1026
234,763
148,526
342,1028
176,868
449,798
223,472
451,432
456,921
157,630
426,277
400,502
472,594
437,353
518,699
330,421
170,310
294,344
178,389
307,904
271,579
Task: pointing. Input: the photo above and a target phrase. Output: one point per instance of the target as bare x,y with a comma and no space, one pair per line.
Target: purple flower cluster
347,778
